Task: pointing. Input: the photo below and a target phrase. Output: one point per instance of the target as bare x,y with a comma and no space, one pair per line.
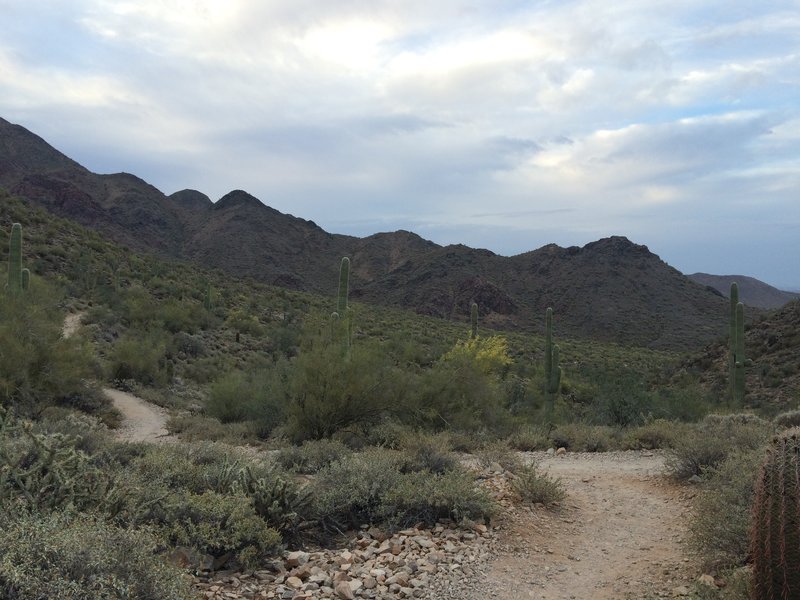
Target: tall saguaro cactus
775,536
15,259
473,318
552,370
341,319
736,344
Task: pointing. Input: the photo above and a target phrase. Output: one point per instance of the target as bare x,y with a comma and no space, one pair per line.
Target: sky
504,125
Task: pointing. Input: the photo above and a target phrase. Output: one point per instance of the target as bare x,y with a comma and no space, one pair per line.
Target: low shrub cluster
707,445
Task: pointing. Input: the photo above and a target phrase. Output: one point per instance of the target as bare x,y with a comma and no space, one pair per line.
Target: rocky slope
612,289
751,291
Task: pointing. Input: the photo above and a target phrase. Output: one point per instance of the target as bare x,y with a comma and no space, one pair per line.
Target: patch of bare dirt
619,534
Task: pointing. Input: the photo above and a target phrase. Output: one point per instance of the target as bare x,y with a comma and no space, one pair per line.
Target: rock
294,582
296,558
707,580
551,451
695,479
343,590
681,591
561,451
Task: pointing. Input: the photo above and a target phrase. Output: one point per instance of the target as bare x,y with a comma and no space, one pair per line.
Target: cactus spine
775,536
736,344
15,259
342,319
473,317
552,370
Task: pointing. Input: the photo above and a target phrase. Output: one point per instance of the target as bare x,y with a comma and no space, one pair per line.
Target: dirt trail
142,421
619,534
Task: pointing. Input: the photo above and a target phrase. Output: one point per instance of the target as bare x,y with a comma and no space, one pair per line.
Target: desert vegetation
368,411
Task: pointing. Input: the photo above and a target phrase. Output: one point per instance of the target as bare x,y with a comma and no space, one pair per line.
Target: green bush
80,557
141,358
722,517
220,525
259,396
788,419
372,487
706,445
653,434
463,390
421,497
537,487
329,393
311,456
38,367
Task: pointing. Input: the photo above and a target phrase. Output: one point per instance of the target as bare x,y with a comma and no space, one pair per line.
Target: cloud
512,123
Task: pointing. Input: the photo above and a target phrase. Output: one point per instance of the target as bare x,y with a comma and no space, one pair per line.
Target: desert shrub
181,316
259,396
498,452
311,456
38,366
220,525
709,443
788,419
425,497
194,428
653,434
582,437
462,390
371,487
537,487
80,557
722,517
191,345
141,358
428,453
329,392
529,438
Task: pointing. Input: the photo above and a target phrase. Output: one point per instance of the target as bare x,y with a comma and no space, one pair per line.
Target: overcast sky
501,125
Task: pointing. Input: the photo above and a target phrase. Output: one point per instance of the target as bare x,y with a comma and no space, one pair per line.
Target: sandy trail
141,420
618,535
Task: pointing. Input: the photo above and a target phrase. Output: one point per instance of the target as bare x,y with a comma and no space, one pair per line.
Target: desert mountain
751,291
612,289
773,344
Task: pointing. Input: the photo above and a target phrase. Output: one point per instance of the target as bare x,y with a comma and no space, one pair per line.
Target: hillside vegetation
365,417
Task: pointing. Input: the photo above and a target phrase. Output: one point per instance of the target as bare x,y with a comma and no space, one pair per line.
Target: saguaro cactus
775,536
26,279
15,259
736,345
473,317
552,370
342,319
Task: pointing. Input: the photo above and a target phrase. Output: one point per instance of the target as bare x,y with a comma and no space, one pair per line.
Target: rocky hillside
773,344
751,291
611,290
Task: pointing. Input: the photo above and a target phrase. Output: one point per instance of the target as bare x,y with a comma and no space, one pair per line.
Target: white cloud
617,116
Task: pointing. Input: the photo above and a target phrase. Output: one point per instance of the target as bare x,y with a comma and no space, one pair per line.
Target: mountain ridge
611,289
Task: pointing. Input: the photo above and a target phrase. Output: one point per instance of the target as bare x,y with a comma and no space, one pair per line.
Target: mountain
751,291
611,290
772,343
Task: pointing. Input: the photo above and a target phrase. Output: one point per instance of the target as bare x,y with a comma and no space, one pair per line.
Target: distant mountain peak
238,198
